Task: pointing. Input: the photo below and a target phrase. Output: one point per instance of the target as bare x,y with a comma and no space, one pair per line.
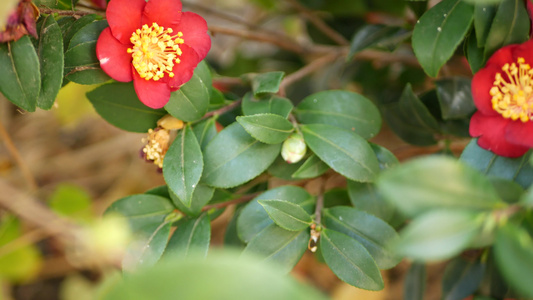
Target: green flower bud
293,149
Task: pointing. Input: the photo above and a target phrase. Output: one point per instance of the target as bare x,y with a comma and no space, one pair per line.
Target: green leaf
373,233
350,261
233,157
438,33
508,191
461,278
510,26
253,218
282,169
266,82
474,53
514,258
205,131
267,128
287,215
280,246
265,105
342,150
385,158
436,182
415,282
51,59
343,109
365,197
336,197
439,234
376,35
191,101
190,238
142,210
147,247
222,275
81,64
119,105
201,196
70,27
59,4
183,165
483,18
311,168
411,120
231,237
20,80
455,98
492,165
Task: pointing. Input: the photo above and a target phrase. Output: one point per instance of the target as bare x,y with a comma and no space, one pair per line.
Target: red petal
154,94
185,69
124,17
166,13
113,56
194,29
520,133
502,56
524,50
491,132
481,85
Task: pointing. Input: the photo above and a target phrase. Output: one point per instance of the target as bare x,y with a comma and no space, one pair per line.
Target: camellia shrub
315,92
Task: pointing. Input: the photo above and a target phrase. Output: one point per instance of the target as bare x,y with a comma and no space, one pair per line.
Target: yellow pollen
156,146
512,92
155,51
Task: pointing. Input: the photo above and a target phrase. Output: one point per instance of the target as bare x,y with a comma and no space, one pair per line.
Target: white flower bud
293,149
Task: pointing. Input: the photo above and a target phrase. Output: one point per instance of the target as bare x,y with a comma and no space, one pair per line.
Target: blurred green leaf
183,165
377,35
266,104
191,238
483,17
373,233
514,257
386,159
365,197
51,60
437,182
312,167
279,246
455,97
20,80
233,157
438,33
461,278
201,196
474,53
343,109
71,201
265,83
341,149
282,169
350,261
336,197
119,105
287,215
267,128
508,191
147,247
415,282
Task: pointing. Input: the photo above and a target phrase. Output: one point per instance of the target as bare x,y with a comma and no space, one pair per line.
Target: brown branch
222,110
320,201
30,180
242,199
60,12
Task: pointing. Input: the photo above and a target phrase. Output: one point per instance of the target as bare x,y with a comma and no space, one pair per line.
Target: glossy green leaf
474,53
411,120
365,197
147,248
49,50
267,128
253,218
282,169
342,150
119,105
311,168
376,35
350,261
183,165
373,233
455,97
279,246
231,237
70,27
190,238
81,64
386,158
461,278
194,278
483,18
437,182
201,196
233,157
336,197
205,131
287,215
439,234
20,80
266,82
142,210
438,33
492,165
415,282
510,26
514,258
191,101
343,109
265,105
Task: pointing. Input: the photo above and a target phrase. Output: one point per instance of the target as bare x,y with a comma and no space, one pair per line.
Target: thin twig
30,180
222,110
320,201
60,12
242,199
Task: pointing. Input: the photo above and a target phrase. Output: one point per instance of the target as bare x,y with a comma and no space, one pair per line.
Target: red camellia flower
154,44
503,94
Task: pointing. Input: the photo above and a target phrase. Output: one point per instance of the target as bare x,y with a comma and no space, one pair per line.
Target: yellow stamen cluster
512,97
157,145
155,51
